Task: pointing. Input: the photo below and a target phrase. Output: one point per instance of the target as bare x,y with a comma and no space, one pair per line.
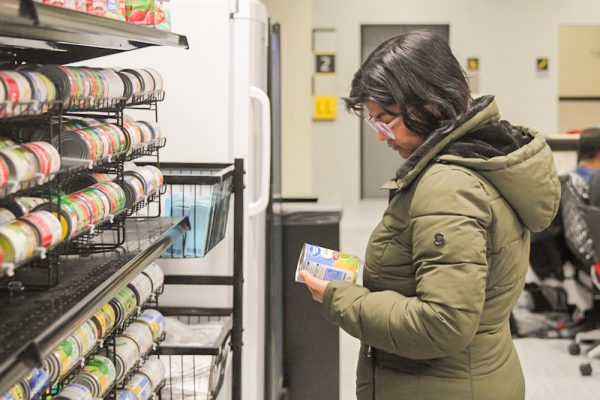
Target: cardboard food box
96,7
115,9
140,12
162,17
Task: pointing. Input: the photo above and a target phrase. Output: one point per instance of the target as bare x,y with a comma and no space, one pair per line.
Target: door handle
262,201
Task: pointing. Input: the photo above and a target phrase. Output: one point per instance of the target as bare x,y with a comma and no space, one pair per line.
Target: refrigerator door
250,122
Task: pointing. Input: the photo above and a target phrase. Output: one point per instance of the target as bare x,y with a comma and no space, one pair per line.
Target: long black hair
417,72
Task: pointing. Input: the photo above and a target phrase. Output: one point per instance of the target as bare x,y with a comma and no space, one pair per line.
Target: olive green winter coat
446,265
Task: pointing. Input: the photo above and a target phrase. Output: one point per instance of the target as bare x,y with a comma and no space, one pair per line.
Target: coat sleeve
450,213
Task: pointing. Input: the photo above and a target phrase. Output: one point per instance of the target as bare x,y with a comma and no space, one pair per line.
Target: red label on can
41,155
42,227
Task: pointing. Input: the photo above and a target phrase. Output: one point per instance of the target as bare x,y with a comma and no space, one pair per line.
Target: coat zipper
371,355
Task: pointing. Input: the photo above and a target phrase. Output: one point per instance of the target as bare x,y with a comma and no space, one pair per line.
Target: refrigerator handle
261,203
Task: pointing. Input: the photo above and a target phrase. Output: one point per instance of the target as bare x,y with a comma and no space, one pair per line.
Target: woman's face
405,141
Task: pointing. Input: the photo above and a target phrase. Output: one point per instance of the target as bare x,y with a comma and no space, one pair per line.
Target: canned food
41,160
47,226
67,354
140,386
103,370
115,194
35,382
90,208
140,333
158,80
6,216
146,131
125,395
154,369
4,173
52,367
21,163
86,336
81,208
147,176
4,142
74,391
102,198
90,382
68,216
18,241
104,320
38,92
157,174
133,188
17,392
127,354
24,205
155,320
142,287
156,275
51,154
126,297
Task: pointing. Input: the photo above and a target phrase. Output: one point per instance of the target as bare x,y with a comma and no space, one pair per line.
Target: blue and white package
327,264
197,209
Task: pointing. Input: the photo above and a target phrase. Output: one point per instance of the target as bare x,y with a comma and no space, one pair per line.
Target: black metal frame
236,280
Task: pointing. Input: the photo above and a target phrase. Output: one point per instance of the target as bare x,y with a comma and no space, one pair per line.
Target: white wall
507,36
295,18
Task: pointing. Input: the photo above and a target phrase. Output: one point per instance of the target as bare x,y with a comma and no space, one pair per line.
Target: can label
6,216
80,206
327,264
156,275
156,322
15,393
37,381
141,334
67,354
140,386
75,391
88,203
47,235
86,337
41,157
103,370
127,299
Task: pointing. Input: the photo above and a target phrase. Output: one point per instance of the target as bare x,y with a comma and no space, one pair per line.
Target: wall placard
325,108
473,64
325,63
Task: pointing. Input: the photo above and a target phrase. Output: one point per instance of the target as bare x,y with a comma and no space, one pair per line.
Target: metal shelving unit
34,323
197,174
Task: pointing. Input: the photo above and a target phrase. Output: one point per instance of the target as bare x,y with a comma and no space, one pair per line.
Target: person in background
588,154
447,263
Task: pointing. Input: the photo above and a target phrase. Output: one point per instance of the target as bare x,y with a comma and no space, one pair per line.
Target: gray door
378,162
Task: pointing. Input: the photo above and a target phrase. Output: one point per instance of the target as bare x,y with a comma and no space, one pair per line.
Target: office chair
592,320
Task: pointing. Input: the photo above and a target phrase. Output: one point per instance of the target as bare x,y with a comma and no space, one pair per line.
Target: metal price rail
35,323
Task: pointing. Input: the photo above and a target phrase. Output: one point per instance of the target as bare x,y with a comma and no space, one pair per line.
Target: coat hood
515,160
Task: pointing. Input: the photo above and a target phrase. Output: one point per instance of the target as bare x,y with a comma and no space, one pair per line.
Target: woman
447,262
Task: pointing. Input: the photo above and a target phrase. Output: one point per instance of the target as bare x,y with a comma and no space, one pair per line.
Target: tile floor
550,372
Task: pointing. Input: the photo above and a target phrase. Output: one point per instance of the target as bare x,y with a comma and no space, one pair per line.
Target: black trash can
310,342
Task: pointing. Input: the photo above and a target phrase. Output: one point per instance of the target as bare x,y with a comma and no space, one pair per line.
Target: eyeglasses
379,126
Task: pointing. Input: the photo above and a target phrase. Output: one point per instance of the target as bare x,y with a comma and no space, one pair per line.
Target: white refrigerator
216,109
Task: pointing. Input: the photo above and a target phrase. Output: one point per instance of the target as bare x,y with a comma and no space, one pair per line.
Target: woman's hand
315,285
